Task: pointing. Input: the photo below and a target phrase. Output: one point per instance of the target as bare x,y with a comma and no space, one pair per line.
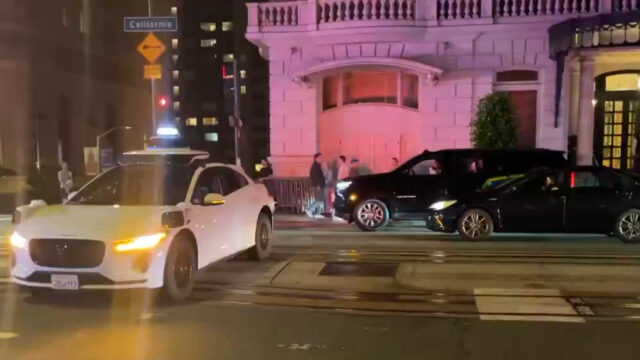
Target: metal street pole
153,85
236,112
103,135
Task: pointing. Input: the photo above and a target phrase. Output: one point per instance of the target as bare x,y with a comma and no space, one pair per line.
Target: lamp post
103,135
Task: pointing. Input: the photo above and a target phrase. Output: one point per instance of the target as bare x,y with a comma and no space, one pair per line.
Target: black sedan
577,200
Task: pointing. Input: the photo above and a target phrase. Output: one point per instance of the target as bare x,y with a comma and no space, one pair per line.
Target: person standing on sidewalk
65,179
343,168
317,181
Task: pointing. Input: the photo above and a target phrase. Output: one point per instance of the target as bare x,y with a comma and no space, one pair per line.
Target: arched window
370,86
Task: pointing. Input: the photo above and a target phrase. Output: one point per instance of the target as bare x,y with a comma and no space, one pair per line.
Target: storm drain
358,269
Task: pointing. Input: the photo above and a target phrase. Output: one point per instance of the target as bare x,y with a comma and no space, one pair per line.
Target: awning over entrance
606,30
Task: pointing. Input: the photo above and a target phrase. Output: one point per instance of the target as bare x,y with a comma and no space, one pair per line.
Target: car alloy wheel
475,224
372,215
628,228
265,236
180,269
261,250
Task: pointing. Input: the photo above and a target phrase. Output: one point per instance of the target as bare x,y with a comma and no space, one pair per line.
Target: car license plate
64,282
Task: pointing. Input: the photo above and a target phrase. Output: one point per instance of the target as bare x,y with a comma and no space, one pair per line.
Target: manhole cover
358,269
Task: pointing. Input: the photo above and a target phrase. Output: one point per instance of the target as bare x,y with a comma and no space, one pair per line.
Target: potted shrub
496,124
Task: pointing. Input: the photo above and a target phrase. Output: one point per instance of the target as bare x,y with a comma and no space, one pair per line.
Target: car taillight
172,219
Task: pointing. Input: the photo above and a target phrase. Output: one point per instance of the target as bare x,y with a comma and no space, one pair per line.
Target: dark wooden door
525,105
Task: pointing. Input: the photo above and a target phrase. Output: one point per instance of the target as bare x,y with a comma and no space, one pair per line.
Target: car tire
263,238
179,271
627,227
475,224
371,215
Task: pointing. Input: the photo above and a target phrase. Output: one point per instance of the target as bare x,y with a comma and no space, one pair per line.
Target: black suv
405,193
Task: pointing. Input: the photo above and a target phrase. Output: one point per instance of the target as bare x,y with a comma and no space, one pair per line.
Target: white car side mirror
71,195
37,203
213,199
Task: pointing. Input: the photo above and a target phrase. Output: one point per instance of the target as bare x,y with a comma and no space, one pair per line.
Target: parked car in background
575,200
405,193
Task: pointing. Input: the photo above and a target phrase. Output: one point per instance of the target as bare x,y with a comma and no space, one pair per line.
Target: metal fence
292,194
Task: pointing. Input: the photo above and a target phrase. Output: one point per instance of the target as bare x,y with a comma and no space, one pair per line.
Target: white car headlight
140,242
341,185
441,205
18,241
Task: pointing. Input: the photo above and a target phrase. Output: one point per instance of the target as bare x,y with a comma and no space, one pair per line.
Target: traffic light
163,101
228,87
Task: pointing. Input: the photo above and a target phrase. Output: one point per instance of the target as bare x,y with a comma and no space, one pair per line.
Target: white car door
238,195
211,224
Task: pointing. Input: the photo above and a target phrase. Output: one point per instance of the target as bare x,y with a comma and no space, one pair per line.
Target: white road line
525,305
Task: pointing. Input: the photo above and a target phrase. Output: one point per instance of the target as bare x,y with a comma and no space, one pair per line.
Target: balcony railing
318,14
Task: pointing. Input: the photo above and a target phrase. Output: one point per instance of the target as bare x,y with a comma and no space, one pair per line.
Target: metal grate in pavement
358,269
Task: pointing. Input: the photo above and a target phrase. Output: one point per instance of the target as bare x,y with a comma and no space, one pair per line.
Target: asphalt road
280,310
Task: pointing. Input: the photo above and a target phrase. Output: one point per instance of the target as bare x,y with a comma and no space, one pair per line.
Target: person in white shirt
343,168
65,178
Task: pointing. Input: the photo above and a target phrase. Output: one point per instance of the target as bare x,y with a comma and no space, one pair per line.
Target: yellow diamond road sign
151,48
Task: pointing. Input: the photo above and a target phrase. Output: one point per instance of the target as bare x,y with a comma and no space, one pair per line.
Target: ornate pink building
376,79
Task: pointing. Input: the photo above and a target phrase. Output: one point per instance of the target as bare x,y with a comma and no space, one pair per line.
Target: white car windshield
137,185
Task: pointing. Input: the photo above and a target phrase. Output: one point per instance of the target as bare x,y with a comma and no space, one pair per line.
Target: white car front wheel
263,240
179,271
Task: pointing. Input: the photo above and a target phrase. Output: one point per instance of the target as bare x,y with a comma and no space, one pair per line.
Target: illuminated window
192,121
227,26
211,137
176,105
330,86
370,86
243,89
176,91
207,43
175,74
228,58
622,82
174,10
243,74
410,90
174,58
209,121
174,43
209,26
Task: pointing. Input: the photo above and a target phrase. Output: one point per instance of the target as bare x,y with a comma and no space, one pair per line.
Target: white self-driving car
151,223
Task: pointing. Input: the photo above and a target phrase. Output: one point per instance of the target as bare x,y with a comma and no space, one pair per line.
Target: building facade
377,79
201,83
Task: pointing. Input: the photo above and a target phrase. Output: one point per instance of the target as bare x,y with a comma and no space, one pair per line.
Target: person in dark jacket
318,182
266,169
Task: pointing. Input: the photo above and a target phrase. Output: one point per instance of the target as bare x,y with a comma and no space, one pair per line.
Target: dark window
540,183
473,165
330,92
230,181
410,90
428,166
591,179
241,179
209,182
137,185
516,76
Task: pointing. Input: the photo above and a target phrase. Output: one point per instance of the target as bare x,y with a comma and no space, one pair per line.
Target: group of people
325,175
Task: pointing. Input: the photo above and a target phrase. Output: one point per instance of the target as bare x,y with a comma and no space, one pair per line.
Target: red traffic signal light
163,101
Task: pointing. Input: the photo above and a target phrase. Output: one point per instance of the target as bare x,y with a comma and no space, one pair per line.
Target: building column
585,125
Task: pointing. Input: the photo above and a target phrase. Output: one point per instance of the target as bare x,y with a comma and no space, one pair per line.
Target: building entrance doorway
615,131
